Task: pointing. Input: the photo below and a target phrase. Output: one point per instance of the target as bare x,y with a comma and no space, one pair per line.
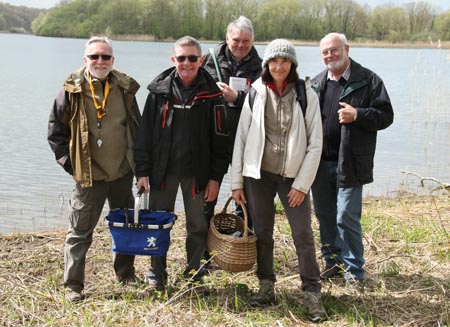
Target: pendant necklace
101,109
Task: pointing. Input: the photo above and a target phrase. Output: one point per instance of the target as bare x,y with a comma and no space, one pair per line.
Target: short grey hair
341,36
242,24
188,41
102,39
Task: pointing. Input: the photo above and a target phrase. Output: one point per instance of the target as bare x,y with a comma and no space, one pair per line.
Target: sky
443,4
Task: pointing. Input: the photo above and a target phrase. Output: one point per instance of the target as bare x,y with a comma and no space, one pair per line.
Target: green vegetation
207,19
17,19
407,250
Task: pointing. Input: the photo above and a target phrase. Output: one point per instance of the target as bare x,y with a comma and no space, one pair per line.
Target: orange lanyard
100,108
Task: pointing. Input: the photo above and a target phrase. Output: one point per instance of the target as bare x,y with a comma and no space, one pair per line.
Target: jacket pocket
363,162
220,120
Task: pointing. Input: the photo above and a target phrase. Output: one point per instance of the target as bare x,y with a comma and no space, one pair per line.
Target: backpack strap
300,88
251,97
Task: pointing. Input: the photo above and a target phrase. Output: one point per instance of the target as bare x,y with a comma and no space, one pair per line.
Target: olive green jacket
68,127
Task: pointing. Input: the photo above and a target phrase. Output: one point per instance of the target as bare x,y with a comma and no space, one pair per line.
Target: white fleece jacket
304,145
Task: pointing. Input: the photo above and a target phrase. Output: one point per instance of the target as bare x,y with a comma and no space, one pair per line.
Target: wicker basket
231,253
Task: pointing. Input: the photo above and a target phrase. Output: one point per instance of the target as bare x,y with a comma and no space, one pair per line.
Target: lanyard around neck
100,108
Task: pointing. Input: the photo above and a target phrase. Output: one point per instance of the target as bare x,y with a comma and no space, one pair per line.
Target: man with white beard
354,105
91,130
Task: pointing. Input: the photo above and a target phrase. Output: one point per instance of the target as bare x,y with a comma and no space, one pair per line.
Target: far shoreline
438,44
357,44
432,44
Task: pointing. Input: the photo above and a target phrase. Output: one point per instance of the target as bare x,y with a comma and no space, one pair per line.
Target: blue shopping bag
140,231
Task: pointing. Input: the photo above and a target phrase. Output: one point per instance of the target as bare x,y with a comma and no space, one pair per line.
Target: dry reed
408,266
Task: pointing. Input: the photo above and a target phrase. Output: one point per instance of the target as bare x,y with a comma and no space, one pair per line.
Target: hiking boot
130,281
195,281
74,296
313,304
265,295
195,276
331,272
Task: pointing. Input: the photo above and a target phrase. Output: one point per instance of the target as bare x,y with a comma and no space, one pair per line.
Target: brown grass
436,44
408,263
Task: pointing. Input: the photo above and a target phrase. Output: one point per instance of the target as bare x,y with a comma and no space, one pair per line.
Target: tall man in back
234,65
355,105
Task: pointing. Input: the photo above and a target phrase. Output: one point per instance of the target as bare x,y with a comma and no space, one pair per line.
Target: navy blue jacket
364,91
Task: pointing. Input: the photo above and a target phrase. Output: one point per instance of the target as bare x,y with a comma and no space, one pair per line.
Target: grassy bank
407,245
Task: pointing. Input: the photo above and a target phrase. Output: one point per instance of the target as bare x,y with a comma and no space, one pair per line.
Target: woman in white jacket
277,151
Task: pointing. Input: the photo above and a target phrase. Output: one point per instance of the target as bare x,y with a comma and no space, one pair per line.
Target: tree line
207,19
17,19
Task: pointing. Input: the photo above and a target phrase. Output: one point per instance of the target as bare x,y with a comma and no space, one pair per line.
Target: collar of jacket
162,83
357,79
74,82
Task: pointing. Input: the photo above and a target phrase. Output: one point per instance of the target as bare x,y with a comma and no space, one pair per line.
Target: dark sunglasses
190,58
96,56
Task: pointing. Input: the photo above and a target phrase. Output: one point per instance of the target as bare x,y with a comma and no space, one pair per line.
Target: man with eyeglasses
91,131
354,105
235,65
182,142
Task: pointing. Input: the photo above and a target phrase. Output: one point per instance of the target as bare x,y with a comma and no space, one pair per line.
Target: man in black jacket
182,141
235,65
354,105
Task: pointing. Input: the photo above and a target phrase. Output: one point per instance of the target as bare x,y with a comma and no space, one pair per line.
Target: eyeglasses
96,57
331,51
191,58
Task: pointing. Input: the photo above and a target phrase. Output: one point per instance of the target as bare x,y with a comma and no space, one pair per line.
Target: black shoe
195,275
265,295
156,282
205,266
331,272
130,281
194,282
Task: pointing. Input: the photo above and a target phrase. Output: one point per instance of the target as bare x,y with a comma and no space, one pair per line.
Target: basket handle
244,208
137,204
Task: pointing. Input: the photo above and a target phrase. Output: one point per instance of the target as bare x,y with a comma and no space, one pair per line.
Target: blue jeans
339,213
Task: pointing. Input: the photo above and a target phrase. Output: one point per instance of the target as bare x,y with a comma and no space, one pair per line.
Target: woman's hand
239,196
295,198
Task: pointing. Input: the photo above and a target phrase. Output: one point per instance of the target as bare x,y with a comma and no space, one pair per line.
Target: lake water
34,189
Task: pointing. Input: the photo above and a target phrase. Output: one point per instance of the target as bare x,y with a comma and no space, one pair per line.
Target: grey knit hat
280,48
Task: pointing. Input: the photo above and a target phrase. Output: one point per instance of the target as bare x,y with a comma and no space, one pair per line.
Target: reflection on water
34,190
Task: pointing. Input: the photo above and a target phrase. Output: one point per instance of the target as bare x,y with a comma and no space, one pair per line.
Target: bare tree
389,22
421,16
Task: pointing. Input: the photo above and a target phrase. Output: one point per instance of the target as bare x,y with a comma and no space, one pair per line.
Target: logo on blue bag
151,242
